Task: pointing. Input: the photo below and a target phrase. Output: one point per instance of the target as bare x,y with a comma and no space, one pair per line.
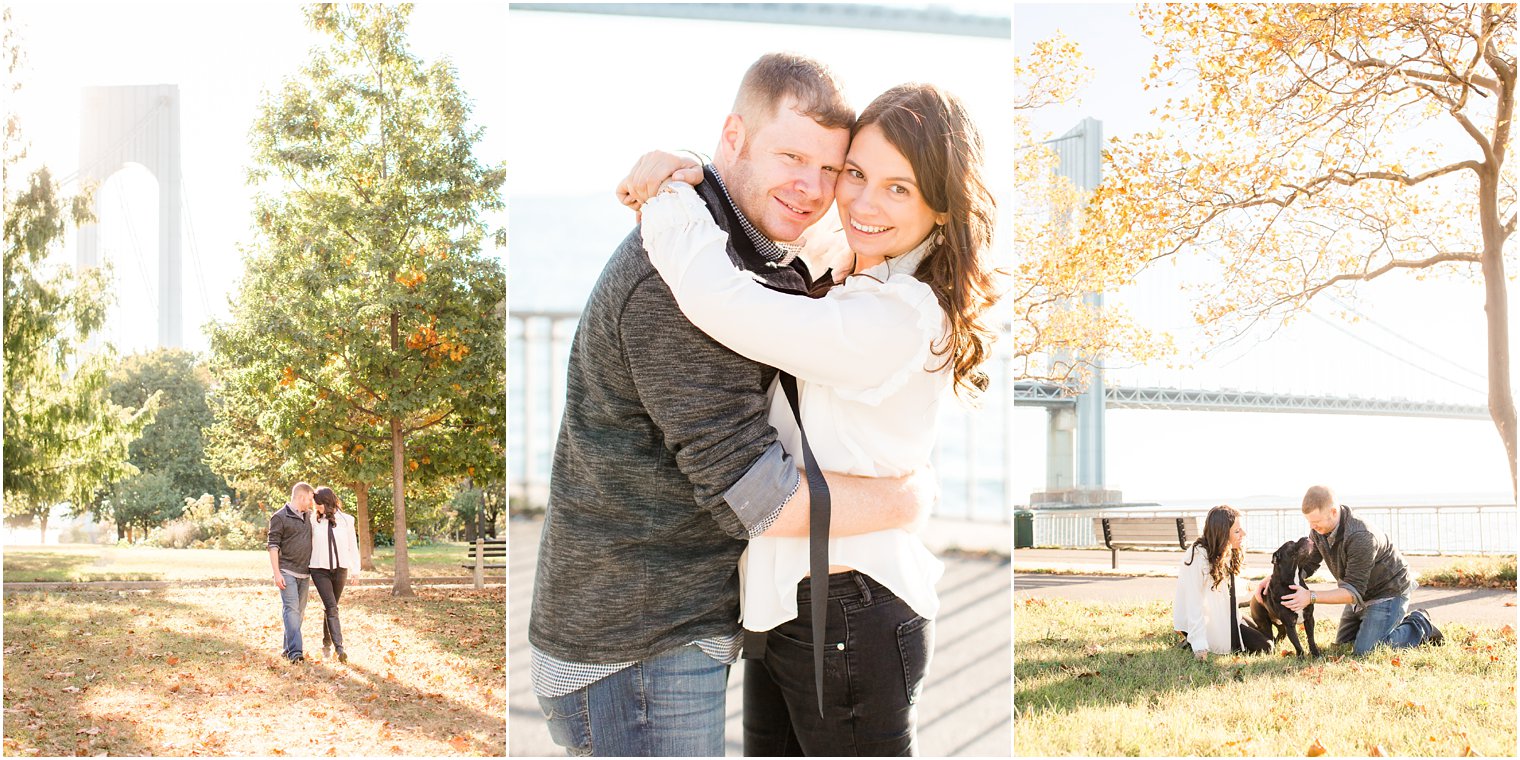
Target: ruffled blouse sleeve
865,338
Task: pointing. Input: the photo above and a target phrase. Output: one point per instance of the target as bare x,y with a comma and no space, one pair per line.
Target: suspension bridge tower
138,124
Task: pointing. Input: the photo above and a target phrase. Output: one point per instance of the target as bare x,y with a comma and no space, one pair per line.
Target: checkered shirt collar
776,254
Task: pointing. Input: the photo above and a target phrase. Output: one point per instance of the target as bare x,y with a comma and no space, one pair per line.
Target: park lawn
94,562
198,671
1472,572
1106,679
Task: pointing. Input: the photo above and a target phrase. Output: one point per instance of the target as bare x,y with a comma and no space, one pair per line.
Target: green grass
88,562
197,671
1106,679
1474,572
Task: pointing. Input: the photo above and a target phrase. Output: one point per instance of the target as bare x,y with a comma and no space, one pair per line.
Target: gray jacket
1363,560
291,534
665,463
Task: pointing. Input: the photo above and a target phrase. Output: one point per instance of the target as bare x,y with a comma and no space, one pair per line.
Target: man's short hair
1317,498
301,487
775,76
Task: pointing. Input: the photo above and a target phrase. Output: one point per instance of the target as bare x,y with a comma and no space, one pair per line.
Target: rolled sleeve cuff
757,498
1356,595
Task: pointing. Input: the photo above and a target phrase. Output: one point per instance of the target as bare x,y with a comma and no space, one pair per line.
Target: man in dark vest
1372,579
666,464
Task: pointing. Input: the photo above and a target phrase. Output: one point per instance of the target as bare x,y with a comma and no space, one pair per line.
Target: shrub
207,525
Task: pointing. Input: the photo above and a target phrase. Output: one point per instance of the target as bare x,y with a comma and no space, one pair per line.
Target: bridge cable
1394,333
1378,348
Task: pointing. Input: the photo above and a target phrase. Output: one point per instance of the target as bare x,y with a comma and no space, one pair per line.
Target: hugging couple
748,426
306,550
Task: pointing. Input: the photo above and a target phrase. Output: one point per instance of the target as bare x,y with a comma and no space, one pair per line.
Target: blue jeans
292,611
1381,623
669,705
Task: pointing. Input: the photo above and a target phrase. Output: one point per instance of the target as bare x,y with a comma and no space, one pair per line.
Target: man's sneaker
342,656
1432,633
326,651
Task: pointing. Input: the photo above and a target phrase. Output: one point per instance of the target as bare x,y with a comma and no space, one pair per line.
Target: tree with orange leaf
1057,335
1312,147
370,322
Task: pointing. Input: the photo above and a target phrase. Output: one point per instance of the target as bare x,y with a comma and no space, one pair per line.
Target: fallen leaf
1316,749
91,731
1396,662
172,660
460,743
72,689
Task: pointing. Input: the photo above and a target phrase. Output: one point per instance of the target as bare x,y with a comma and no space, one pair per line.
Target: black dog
1292,564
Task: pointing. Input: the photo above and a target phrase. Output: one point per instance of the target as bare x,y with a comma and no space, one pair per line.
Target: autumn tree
1059,335
1313,147
173,445
369,318
64,438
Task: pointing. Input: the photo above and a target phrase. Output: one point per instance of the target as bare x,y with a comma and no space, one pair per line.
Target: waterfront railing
1413,529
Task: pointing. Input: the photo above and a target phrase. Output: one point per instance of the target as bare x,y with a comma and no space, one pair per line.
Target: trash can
1023,529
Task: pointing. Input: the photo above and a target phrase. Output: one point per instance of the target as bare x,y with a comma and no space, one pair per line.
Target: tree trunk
361,519
42,538
1501,399
403,582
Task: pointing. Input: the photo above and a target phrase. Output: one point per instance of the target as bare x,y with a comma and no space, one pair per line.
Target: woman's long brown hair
931,128
1216,540
328,500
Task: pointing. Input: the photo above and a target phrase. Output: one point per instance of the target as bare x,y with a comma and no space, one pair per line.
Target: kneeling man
1372,579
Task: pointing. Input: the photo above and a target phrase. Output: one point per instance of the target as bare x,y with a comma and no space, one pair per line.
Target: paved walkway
967,701
1484,607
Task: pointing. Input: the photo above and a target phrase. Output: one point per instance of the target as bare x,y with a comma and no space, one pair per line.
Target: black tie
332,542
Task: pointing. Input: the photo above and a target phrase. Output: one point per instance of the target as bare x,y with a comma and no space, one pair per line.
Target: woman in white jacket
334,555
873,358
1202,611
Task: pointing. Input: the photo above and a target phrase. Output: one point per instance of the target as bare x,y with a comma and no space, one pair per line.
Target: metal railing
974,456
1445,529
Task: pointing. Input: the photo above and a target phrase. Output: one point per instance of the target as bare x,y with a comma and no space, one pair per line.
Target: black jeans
329,585
878,655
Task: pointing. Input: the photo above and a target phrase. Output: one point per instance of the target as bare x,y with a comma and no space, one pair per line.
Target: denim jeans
1382,623
873,674
329,585
670,705
292,611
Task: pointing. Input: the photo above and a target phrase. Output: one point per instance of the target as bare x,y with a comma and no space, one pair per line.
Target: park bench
1144,532
493,554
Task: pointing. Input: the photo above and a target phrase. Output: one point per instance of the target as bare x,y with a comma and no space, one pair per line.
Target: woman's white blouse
347,539
1200,610
869,390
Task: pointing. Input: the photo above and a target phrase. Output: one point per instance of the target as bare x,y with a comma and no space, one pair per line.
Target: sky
1435,331
623,85
222,56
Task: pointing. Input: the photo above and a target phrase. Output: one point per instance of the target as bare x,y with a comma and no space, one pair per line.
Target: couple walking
305,551
711,364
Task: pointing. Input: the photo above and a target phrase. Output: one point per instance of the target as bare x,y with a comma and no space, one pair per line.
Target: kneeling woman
1204,610
334,555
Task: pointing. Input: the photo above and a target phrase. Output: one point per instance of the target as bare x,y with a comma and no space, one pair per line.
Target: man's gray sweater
665,462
